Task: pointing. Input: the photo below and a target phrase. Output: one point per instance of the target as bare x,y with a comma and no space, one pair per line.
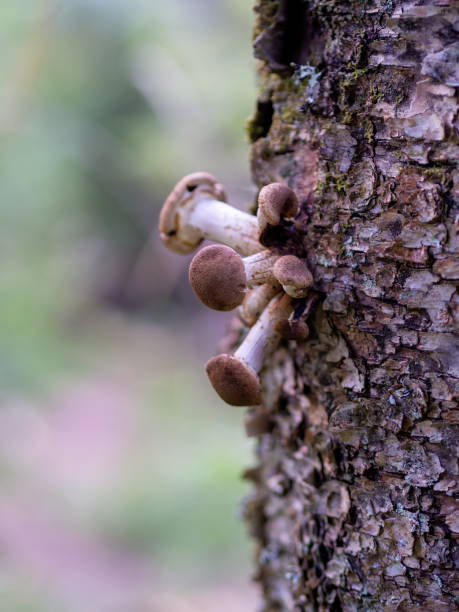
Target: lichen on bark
353,505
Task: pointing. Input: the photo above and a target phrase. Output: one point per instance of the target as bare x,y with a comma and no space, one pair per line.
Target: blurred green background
119,466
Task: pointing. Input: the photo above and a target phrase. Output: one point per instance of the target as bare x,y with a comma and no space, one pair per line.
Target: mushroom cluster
264,285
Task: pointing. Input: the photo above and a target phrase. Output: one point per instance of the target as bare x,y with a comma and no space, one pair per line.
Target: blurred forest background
119,466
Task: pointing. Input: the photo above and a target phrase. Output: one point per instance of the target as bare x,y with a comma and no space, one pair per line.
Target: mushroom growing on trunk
235,377
220,277
276,201
197,209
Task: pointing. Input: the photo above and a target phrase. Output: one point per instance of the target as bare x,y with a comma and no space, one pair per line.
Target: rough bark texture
353,505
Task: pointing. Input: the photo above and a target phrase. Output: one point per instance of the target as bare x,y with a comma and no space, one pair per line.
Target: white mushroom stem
255,301
259,268
262,338
222,223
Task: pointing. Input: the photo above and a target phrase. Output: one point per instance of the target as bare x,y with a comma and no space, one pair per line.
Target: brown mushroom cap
234,381
217,276
276,200
169,218
292,330
292,272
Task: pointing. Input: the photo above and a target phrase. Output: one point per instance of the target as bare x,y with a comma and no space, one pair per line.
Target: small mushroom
255,301
220,277
290,329
294,275
197,209
276,201
235,377
295,327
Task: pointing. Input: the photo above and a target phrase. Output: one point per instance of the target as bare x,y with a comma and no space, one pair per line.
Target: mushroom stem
259,267
262,337
223,223
235,377
255,301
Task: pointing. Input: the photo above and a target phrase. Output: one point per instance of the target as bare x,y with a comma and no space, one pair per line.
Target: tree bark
353,504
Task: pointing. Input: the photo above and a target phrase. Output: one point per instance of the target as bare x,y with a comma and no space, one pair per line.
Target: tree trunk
353,506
